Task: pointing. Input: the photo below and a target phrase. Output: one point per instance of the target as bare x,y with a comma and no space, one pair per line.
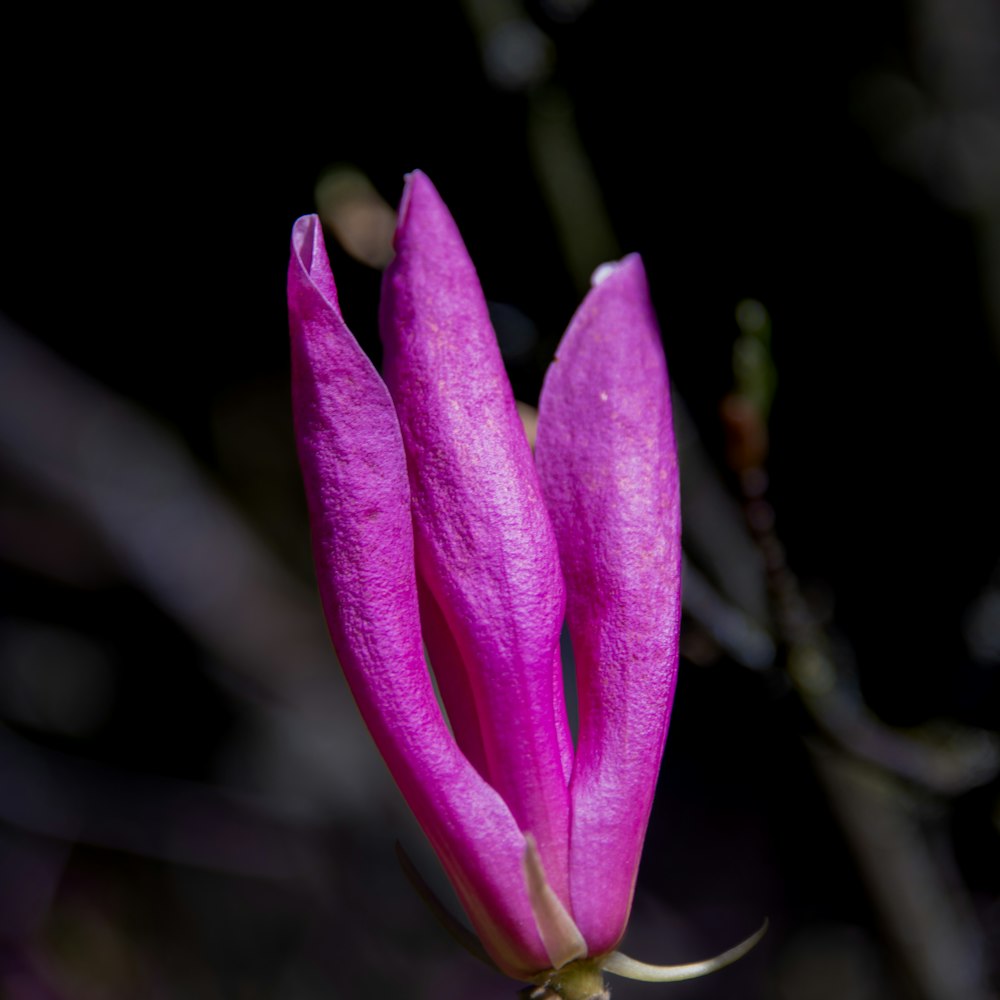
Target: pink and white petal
607,462
356,486
484,544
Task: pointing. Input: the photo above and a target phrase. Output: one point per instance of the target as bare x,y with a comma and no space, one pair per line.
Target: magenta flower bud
433,524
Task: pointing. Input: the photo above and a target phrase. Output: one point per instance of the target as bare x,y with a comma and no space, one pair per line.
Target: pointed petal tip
410,180
305,223
629,265
413,181
420,205
309,253
415,176
304,237
416,179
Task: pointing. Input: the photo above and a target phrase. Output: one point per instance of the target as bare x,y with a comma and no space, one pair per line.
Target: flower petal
607,463
484,544
356,485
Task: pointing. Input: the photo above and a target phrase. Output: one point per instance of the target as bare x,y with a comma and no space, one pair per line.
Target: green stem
581,980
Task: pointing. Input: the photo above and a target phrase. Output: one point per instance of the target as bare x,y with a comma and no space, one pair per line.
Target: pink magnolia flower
433,524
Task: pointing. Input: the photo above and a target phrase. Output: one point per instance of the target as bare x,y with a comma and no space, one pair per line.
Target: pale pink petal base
560,935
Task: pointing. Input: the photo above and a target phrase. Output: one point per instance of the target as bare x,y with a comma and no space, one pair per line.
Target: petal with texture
356,485
484,544
607,463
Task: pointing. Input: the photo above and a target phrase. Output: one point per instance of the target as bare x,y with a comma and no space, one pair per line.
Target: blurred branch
734,631
60,797
946,759
516,54
571,189
924,906
982,623
182,542
943,126
918,892
715,534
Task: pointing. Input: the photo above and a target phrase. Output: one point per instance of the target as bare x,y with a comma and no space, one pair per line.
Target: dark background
165,828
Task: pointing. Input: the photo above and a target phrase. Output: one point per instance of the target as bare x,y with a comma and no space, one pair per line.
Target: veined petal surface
355,475
607,462
485,548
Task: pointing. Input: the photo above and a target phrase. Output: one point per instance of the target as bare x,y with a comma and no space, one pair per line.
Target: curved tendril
629,968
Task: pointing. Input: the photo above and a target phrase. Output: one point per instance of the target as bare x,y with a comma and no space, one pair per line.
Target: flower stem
580,980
